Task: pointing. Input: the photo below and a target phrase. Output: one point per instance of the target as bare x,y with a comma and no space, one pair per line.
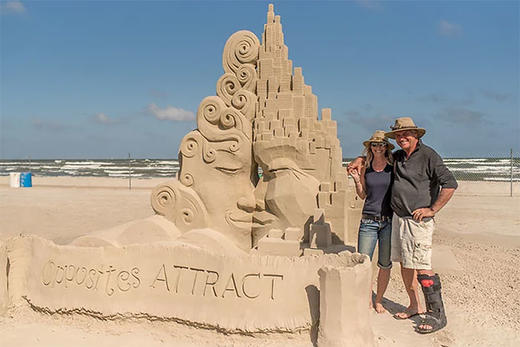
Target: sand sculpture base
174,281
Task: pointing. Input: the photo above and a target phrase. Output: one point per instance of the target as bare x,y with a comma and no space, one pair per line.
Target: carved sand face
227,190
217,164
288,193
217,156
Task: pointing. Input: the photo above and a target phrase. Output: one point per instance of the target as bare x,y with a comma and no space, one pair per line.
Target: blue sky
100,79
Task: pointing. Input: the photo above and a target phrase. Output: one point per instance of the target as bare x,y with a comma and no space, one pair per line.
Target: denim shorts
372,232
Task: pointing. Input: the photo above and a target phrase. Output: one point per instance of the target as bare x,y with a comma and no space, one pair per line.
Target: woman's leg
367,239
410,284
384,263
383,278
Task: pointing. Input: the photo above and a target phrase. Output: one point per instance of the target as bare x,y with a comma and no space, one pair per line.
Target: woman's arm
359,180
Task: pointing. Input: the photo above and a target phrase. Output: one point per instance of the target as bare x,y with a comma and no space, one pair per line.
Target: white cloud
170,113
15,7
103,119
449,29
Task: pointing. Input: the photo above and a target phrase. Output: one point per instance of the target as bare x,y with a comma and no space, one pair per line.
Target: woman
374,184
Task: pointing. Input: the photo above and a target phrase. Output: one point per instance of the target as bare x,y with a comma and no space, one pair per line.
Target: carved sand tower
304,182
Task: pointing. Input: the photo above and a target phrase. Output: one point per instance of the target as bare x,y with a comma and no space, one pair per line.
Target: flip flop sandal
434,322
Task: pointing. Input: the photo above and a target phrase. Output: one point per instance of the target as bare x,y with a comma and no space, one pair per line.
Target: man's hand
356,164
444,196
421,213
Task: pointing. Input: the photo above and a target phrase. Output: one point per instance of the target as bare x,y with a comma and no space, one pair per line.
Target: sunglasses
378,144
405,133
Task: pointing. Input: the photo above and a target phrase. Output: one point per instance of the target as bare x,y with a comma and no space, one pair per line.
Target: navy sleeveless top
378,186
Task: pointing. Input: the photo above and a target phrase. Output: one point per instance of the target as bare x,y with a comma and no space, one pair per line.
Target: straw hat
378,136
405,123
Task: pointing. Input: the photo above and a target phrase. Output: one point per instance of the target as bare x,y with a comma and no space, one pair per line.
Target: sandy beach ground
476,252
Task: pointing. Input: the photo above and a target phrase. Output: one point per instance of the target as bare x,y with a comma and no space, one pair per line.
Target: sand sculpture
228,249
263,115
302,199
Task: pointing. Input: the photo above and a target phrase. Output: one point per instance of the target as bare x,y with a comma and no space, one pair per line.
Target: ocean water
140,168
484,169
471,169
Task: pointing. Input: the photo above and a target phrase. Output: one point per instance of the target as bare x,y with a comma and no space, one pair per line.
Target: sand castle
229,248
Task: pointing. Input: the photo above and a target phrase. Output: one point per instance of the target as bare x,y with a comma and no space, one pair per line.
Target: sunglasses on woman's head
378,144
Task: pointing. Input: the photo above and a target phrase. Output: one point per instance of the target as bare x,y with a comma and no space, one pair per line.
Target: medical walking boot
435,316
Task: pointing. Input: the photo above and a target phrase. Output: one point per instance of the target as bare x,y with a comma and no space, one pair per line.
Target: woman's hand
355,175
356,164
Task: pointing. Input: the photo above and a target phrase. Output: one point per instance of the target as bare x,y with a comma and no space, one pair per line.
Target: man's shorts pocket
422,256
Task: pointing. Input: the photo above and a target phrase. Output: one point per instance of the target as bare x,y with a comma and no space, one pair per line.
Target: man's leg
435,314
402,251
435,317
425,272
410,284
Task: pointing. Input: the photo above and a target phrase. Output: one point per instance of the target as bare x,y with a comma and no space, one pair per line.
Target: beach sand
476,252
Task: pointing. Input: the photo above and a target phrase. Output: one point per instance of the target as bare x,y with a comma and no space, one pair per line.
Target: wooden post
129,173
511,188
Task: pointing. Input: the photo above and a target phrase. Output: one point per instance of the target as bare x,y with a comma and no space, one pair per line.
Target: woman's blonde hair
369,156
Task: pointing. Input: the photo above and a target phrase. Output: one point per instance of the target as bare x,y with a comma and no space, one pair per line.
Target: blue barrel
26,179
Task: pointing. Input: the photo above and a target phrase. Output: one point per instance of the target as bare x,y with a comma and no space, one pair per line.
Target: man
416,198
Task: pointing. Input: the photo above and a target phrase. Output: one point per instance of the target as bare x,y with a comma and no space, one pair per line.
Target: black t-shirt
378,186
418,179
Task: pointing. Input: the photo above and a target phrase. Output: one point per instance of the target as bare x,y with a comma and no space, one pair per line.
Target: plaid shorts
412,242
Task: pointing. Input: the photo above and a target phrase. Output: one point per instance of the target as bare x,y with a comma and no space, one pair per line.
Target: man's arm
444,196
439,172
